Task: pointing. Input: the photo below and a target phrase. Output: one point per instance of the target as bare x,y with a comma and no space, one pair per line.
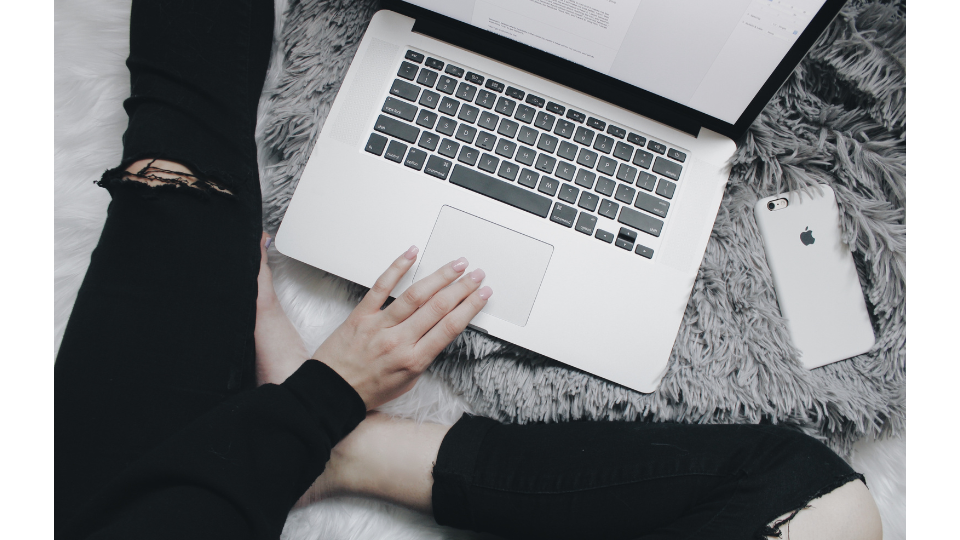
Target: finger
420,292
380,291
441,305
450,326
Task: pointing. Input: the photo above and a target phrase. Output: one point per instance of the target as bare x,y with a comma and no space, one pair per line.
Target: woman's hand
382,352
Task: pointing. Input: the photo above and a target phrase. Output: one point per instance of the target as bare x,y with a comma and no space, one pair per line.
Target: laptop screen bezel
608,88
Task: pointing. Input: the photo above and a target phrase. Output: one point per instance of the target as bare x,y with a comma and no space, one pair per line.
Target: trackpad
514,263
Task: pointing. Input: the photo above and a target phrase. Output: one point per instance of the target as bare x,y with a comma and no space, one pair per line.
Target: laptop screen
710,55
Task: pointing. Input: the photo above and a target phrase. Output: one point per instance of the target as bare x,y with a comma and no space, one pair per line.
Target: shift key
395,128
640,221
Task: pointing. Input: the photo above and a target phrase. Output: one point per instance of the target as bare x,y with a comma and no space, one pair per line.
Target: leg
162,329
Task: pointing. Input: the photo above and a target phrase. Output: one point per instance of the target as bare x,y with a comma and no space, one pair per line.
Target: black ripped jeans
162,332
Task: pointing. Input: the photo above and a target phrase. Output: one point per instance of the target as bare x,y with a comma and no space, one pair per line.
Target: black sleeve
235,472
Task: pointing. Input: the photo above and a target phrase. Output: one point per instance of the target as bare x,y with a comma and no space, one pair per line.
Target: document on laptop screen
710,55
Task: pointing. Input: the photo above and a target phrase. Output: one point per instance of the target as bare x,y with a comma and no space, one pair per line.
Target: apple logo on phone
807,237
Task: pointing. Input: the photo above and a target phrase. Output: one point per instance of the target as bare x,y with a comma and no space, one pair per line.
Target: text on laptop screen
710,55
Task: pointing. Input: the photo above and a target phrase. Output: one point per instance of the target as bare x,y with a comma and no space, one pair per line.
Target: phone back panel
816,281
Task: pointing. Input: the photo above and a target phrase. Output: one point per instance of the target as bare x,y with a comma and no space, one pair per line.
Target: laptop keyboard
527,151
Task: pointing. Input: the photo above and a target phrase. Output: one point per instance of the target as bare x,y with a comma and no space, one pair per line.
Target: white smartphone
814,276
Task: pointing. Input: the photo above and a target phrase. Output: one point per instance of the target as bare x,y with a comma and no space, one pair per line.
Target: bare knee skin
158,172
848,512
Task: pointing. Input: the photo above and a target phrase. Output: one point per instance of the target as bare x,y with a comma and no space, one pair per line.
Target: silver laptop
576,150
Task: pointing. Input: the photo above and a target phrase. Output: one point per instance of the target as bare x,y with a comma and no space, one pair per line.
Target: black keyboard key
586,223
605,186
576,116
546,163
427,119
556,108
604,235
625,193
474,77
427,78
566,171
408,71
468,155
454,70
626,238
500,191
524,114
637,139
415,158
400,109
447,85
405,90
587,158
468,113
466,91
654,205
536,101
642,159
437,166
545,121
607,166
640,221
466,133
508,171
505,106
666,188
626,173
449,148
588,201
489,163
528,178
414,56
486,99
584,136
644,251
434,63
646,181
506,148
596,123
564,129
623,151
449,106
547,143
677,155
568,193
548,186
527,136
488,120
567,151
395,151
585,178
526,155
429,141
608,209
617,132
603,144
447,126
508,128
376,144
396,129
487,141
515,93
563,214
495,85
429,99
657,147
665,167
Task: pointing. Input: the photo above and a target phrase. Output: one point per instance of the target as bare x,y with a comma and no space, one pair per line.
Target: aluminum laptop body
570,296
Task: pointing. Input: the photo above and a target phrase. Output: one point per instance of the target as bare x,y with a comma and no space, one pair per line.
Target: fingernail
459,265
485,292
411,253
266,244
477,275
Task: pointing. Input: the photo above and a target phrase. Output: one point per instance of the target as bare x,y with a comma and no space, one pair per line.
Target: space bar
500,190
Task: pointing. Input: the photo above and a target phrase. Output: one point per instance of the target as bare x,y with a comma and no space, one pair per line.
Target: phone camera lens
771,205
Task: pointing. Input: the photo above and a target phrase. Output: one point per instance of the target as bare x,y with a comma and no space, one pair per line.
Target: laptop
576,150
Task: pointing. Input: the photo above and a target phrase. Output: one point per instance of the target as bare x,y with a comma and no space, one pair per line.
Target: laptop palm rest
514,263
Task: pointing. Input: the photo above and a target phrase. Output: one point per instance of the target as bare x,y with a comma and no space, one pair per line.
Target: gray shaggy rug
839,119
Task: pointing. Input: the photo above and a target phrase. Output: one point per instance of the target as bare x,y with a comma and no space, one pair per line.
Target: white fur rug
90,84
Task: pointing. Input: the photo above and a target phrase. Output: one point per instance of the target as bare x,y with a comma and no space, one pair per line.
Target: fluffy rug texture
840,119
